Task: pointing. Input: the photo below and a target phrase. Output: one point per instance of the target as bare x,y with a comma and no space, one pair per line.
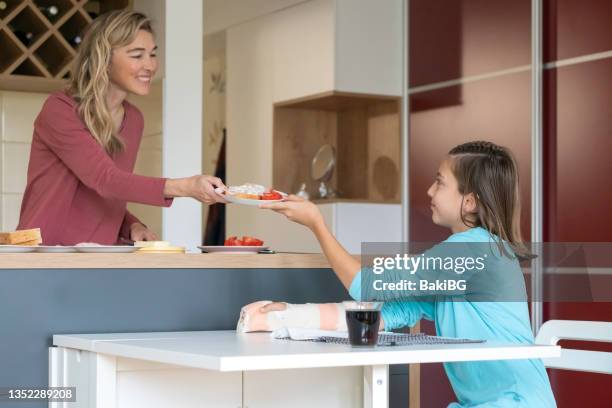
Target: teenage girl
476,196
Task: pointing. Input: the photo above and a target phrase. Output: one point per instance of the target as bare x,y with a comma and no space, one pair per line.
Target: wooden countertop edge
163,261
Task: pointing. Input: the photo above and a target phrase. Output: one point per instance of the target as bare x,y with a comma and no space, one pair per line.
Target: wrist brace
323,316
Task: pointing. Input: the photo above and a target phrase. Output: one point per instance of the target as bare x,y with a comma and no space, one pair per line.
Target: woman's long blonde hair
89,79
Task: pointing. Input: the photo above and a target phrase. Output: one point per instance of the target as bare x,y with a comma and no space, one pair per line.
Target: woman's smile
144,78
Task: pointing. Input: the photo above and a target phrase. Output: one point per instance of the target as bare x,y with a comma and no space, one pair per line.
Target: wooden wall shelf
364,129
38,40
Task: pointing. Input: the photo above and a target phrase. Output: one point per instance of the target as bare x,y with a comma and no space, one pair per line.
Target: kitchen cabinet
342,45
351,222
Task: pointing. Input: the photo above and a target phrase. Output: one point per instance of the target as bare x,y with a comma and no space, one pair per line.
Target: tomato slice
233,241
250,241
271,195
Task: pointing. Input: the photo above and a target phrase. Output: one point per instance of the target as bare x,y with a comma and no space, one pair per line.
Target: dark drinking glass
362,321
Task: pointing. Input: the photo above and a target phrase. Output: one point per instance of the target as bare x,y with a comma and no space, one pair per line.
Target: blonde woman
86,139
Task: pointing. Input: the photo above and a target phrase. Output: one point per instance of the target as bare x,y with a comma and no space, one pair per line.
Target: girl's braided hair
490,173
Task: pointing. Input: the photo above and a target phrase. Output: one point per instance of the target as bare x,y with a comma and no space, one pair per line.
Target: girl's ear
470,204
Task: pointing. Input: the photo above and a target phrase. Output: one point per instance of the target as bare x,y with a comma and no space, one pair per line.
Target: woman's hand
139,232
297,210
201,187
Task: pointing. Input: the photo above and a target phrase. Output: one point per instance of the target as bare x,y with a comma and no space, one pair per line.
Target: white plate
249,201
107,249
16,249
234,249
54,249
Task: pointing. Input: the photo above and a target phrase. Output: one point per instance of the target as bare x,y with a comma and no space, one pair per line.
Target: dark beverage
363,327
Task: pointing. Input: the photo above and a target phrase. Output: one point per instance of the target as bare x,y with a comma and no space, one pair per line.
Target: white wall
214,103
249,113
149,161
17,113
183,88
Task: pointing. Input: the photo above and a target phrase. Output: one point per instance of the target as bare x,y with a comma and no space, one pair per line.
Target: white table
225,369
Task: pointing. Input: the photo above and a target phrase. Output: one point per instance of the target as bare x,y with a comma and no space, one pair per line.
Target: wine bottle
25,37
49,11
76,40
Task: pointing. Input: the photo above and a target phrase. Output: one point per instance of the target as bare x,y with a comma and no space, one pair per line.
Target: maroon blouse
75,191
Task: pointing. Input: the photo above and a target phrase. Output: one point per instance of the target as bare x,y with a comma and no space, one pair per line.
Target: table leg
93,375
376,386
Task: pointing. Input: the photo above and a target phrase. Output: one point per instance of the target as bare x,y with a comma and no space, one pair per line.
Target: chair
553,331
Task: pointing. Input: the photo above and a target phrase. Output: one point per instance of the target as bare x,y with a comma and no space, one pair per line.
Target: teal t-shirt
500,383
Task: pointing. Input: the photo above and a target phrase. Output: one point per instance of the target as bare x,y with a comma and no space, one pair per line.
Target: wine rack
39,39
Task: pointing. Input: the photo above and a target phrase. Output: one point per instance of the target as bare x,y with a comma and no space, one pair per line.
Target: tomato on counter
250,241
232,241
245,241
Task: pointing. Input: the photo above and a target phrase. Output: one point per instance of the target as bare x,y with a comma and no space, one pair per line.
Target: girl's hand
255,316
139,232
297,210
273,307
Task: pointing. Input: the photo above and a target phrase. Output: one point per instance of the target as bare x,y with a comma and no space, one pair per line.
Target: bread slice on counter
21,237
158,247
161,250
149,244
31,243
